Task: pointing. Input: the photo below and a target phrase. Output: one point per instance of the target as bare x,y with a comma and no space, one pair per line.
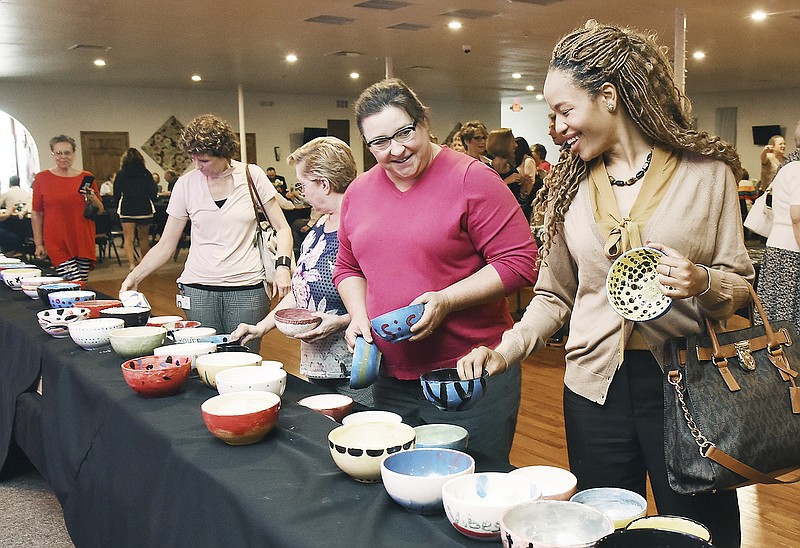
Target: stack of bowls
93,333
55,321
414,478
358,449
475,503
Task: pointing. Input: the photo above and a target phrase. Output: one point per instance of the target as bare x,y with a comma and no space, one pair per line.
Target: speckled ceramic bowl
157,376
55,321
93,333
64,299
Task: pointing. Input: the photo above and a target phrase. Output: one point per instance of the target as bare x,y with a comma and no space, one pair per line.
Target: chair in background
104,237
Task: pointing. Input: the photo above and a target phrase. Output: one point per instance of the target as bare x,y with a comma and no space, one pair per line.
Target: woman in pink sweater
635,173
430,225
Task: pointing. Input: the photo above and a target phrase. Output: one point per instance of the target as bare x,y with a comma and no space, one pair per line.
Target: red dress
67,233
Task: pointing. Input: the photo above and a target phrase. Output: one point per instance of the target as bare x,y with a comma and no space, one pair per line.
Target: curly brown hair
638,67
209,134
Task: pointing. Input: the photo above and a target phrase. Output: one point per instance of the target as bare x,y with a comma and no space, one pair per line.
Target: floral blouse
313,289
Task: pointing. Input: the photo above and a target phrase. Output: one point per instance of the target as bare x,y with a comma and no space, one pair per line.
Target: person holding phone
60,231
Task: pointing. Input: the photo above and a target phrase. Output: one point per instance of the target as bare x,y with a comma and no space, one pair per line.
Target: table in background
130,471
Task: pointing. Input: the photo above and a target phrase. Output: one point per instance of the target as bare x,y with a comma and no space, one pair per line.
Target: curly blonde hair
639,69
326,158
209,134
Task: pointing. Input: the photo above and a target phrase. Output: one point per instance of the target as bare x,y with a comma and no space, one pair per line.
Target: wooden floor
770,516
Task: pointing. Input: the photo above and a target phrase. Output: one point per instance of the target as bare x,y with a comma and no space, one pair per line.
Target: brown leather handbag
732,407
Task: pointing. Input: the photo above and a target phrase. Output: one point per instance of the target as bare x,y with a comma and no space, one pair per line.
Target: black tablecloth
130,471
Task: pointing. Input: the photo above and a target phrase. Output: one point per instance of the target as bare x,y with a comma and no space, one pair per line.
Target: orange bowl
241,418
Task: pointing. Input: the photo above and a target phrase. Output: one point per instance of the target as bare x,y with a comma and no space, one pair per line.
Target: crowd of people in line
449,227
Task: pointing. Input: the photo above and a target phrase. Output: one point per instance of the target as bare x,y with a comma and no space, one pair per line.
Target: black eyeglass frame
374,143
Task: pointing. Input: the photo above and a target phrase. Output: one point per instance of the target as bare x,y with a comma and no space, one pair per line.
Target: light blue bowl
67,299
217,339
442,436
414,478
444,389
395,326
366,364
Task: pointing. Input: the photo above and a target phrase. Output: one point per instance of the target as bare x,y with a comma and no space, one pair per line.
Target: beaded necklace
633,180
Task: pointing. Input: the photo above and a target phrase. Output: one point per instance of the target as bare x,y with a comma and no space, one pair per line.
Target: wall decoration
162,147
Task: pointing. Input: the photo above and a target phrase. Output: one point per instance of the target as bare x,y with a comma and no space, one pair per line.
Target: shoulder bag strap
256,198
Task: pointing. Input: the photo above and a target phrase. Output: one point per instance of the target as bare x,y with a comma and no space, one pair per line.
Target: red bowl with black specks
157,376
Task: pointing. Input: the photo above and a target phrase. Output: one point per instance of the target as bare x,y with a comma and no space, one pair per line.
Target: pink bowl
294,321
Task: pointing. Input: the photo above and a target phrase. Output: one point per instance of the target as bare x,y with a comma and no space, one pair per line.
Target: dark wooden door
102,150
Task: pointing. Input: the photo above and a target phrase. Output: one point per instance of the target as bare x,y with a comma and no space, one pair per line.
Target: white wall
531,123
51,110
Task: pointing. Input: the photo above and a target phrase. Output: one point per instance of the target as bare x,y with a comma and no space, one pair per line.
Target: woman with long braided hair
633,172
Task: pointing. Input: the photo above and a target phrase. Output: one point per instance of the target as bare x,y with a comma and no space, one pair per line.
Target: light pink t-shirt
222,251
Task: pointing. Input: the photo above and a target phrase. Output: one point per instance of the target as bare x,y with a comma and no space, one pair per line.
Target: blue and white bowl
444,389
366,364
66,299
395,326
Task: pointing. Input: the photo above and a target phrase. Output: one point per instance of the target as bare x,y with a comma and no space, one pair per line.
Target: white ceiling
157,43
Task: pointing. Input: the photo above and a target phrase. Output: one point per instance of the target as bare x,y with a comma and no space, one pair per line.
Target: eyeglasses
402,135
62,153
300,186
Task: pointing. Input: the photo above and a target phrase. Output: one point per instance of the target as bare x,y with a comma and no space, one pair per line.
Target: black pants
618,444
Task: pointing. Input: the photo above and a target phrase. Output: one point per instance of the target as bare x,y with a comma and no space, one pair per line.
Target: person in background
223,275
633,175
558,138
60,231
107,188
278,181
135,190
502,146
171,178
16,198
457,143
539,155
325,167
467,249
779,275
157,181
474,136
772,156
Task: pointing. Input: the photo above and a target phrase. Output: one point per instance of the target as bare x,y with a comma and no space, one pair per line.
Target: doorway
19,154
102,150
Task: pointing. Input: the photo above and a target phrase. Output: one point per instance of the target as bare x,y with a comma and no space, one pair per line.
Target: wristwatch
283,261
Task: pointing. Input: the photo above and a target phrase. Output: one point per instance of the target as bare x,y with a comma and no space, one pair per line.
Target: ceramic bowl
232,347
13,276
632,285
475,503
133,316
333,406
156,376
218,339
93,333
372,416
358,449
161,321
620,505
208,365
651,538
672,523
186,349
272,363
445,390
140,340
44,290
294,321
54,321
30,284
395,326
241,418
553,523
192,334
442,436
64,299
556,483
181,324
242,379
132,298
366,364
97,306
414,478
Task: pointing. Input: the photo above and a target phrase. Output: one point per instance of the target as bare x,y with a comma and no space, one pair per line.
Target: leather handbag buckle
746,360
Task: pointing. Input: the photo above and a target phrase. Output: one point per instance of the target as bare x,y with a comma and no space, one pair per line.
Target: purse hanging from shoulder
732,407
266,239
760,217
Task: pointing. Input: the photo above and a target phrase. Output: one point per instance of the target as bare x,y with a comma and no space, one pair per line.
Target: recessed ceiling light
196,78
516,76
291,57
100,62
529,88
699,55
758,15
539,96
354,75
454,25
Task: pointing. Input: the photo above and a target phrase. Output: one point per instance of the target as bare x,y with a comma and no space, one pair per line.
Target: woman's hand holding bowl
680,277
331,323
437,307
479,359
244,332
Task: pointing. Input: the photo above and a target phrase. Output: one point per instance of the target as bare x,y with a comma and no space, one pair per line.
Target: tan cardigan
699,217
